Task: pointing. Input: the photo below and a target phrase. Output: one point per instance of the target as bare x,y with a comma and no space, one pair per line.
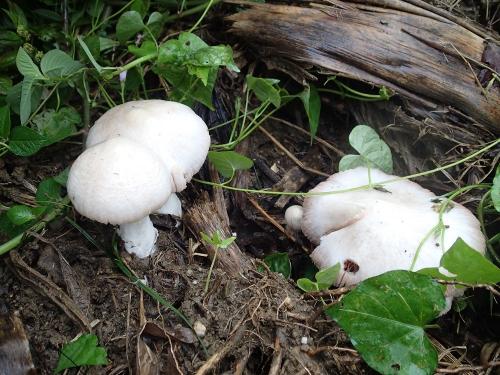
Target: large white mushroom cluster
372,231
138,155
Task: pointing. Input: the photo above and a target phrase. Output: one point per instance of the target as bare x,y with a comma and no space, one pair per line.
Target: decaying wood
201,217
417,51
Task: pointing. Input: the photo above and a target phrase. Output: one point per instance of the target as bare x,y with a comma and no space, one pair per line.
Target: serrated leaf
4,122
385,318
25,141
26,66
129,24
495,190
57,125
82,352
228,162
307,285
280,263
57,63
264,89
20,214
312,105
48,192
326,277
467,265
373,150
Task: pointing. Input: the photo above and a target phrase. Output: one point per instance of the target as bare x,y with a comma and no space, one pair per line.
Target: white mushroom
172,130
293,217
373,231
121,182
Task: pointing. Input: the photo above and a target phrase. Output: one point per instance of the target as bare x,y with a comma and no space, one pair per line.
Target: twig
290,155
459,369
491,288
218,356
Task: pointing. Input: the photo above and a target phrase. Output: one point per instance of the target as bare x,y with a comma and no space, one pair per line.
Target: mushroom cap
172,130
118,181
327,213
293,217
387,235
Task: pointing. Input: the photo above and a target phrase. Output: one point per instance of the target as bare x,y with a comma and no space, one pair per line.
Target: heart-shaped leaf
373,151
385,318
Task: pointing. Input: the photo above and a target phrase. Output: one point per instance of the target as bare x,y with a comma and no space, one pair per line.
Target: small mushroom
293,217
171,130
121,182
376,230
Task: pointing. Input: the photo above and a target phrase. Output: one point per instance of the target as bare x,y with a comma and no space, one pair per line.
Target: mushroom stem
172,206
139,237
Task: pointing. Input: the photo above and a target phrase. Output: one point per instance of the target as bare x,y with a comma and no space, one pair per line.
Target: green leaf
62,178
155,23
228,162
327,276
147,47
14,97
86,49
25,107
26,66
25,141
385,318
4,122
264,89
82,352
16,15
495,190
468,265
224,244
307,285
5,85
373,150
48,192
140,6
106,43
280,263
129,24
191,66
20,214
56,64
57,125
312,105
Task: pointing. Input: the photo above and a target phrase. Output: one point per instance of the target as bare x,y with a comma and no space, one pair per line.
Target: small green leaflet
312,105
373,151
57,64
25,105
325,278
495,190
62,178
385,318
228,162
265,89
280,263
21,214
217,240
155,23
469,266
129,24
4,122
82,352
48,192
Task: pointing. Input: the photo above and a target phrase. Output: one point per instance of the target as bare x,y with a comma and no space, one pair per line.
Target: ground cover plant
230,288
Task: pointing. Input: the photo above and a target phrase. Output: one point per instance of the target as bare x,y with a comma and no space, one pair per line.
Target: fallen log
438,62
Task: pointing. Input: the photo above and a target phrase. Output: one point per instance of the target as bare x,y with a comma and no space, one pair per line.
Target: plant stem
209,5
210,269
189,12
118,12
133,64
